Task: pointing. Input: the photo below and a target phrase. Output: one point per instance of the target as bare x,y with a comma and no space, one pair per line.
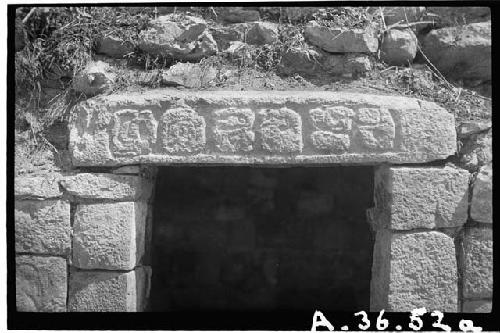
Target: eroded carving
375,128
134,132
233,130
281,130
332,126
183,131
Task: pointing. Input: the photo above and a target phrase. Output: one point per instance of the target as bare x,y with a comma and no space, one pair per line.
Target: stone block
408,197
95,78
398,47
340,40
477,151
37,187
476,306
109,291
413,270
109,236
273,127
42,227
481,209
478,263
108,187
41,284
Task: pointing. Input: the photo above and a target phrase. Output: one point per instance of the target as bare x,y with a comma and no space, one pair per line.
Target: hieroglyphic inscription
233,130
281,130
375,128
183,131
332,126
134,132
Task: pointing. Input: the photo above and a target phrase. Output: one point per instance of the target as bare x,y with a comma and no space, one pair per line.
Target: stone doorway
246,238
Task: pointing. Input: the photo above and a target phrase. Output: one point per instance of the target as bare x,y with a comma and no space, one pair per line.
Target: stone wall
80,241
82,238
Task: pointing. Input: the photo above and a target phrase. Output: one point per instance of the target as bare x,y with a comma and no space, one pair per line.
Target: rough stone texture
109,236
107,186
461,52
341,40
468,128
402,15
408,198
476,307
224,35
37,187
315,61
114,47
414,270
478,263
94,79
451,16
481,209
109,291
19,35
189,75
237,15
180,37
40,284
128,169
476,151
260,33
399,47
42,227
167,126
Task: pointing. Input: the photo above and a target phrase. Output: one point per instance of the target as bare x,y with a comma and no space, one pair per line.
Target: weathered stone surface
94,79
109,291
19,35
224,35
181,37
107,186
314,61
413,270
41,284
478,263
461,52
468,128
401,15
398,47
189,75
481,209
341,40
408,198
168,126
42,227
109,236
476,307
237,14
260,33
128,169
477,151
37,187
452,16
114,47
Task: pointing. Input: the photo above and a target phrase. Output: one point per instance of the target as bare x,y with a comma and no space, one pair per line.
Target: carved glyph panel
233,130
134,132
332,126
375,128
183,131
281,130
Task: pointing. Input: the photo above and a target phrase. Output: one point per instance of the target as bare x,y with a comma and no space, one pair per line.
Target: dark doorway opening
244,238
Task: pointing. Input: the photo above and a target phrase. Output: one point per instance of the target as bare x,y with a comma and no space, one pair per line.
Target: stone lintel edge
164,126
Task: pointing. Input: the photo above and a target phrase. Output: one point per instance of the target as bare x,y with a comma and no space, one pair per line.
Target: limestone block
481,209
95,78
402,15
41,284
478,263
109,236
181,37
408,198
461,52
399,47
37,187
114,47
413,270
477,151
42,227
109,291
107,186
476,306
341,40
273,127
261,33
